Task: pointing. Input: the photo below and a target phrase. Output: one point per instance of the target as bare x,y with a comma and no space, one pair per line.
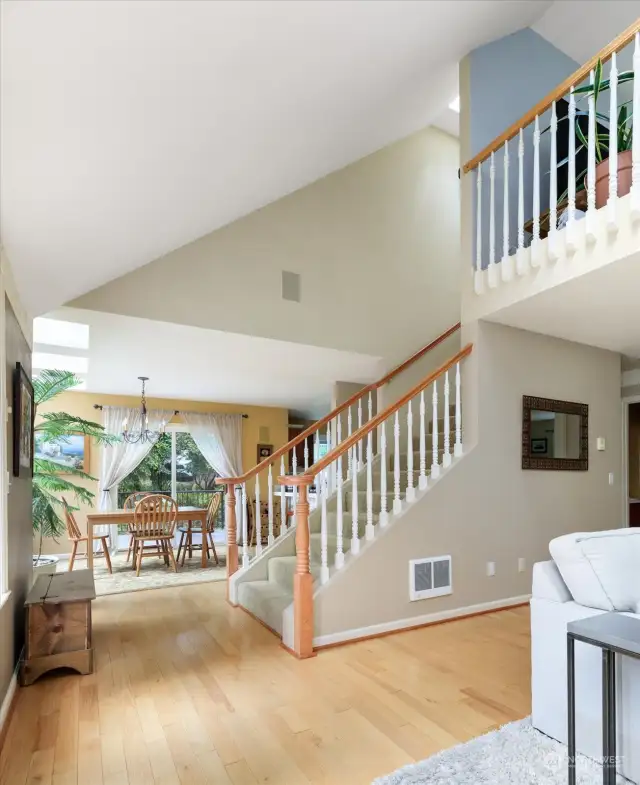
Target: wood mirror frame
529,460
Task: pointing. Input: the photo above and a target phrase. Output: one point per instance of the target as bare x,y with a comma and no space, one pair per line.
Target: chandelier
143,435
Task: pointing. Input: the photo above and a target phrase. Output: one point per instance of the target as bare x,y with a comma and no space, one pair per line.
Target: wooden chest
58,619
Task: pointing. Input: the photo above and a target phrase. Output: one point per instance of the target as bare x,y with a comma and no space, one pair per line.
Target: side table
614,634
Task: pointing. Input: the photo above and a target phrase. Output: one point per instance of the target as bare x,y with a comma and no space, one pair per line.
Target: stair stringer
336,577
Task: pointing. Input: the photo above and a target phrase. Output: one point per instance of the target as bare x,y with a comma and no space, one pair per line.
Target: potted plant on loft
624,135
51,479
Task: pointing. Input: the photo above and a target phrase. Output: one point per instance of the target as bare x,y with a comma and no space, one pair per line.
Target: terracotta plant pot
602,178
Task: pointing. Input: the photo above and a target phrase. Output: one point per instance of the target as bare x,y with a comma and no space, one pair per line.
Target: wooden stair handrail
578,76
335,412
308,476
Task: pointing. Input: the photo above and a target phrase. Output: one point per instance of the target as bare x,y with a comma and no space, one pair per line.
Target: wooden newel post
232,534
302,581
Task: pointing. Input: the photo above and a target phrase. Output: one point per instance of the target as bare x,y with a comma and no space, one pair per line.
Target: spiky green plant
49,484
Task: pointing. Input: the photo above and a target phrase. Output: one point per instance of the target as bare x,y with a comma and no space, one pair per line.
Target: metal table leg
608,717
571,708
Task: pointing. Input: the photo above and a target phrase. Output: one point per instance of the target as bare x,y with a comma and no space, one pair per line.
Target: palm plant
48,481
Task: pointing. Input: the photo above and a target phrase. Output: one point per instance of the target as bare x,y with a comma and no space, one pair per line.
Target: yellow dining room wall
265,424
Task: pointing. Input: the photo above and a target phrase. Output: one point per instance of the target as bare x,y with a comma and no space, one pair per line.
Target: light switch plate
600,443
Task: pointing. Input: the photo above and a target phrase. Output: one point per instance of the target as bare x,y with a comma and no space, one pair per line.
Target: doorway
633,462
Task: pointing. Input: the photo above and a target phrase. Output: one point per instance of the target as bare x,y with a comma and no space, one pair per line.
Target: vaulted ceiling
131,128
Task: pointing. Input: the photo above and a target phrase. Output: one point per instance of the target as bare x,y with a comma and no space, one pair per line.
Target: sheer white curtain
219,439
120,459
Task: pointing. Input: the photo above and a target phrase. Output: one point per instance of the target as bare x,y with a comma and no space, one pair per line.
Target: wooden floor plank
189,691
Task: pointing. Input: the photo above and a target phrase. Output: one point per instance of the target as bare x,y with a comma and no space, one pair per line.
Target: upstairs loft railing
433,399
575,152
279,506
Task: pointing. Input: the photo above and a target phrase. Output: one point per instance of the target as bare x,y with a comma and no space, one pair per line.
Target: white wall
376,245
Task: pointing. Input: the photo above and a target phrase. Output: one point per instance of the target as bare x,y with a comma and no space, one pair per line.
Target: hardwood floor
188,690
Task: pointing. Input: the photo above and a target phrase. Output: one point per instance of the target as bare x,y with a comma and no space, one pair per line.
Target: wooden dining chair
130,504
154,520
187,530
75,536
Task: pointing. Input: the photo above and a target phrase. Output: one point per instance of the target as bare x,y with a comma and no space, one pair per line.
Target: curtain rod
177,411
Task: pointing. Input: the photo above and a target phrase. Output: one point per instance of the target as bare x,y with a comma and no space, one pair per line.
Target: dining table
125,517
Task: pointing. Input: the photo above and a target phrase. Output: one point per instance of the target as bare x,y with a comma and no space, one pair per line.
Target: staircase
363,485
269,597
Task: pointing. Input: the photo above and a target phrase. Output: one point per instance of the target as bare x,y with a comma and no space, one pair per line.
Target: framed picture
539,446
264,451
72,452
23,420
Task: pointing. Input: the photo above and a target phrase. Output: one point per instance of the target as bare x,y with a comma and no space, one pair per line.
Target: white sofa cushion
601,569
548,583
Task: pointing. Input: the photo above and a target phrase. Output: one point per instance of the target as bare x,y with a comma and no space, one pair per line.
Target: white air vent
430,578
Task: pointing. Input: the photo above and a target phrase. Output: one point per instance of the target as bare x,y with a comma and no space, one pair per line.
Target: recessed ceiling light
455,104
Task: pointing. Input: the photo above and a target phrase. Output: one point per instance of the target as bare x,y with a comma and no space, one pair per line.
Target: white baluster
245,527
506,264
435,466
257,525
521,258
384,515
397,502
294,464
612,221
591,219
270,504
355,538
411,491
478,280
422,477
349,453
339,562
552,244
369,531
283,501
361,442
322,487
492,272
535,242
306,454
328,470
316,446
446,459
570,234
635,153
457,448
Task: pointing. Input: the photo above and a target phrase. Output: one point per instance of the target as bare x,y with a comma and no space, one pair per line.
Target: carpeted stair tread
266,600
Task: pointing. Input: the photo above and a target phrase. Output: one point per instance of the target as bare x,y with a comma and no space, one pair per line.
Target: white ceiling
581,29
599,308
131,128
192,363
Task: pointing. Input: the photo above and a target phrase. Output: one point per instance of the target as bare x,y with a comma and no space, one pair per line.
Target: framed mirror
555,434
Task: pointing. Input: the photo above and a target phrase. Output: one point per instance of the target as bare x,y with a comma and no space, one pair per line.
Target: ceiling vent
430,578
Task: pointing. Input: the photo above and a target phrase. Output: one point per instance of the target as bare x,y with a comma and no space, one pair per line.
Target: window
175,466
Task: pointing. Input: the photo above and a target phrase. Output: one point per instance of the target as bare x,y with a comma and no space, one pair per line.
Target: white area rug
516,754
154,574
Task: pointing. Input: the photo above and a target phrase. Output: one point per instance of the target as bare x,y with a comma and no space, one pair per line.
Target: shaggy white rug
516,754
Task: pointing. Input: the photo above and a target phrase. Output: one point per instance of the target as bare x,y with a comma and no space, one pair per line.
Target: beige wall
15,348
487,508
376,245
274,420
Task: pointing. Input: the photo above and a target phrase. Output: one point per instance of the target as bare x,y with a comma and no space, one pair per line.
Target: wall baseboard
414,622
8,705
